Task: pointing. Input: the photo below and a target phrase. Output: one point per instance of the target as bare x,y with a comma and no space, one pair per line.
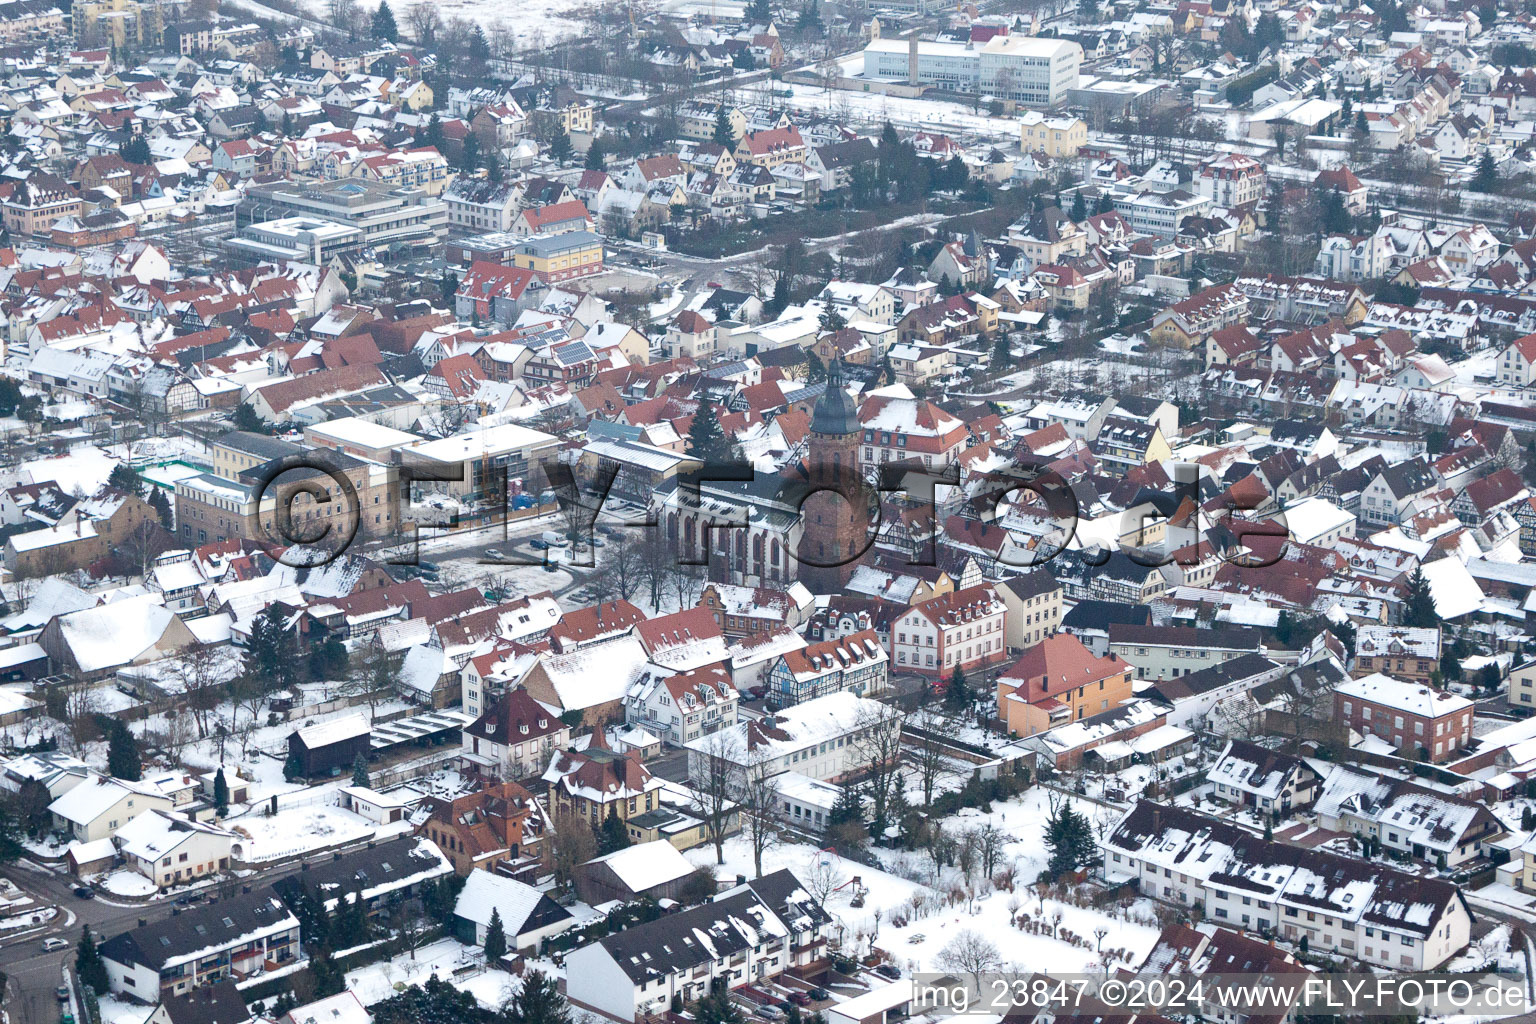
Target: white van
555,539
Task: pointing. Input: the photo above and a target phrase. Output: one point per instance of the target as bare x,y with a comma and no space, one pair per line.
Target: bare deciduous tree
372,679
877,756
624,565
425,22
202,670
991,841
823,879
927,756
573,844
714,774
971,953
759,804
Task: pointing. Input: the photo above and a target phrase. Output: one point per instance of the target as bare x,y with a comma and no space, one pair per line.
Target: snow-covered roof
1409,698
115,634
54,596
90,853
485,893
1452,587
341,1008
155,834
796,728
1315,517
646,865
337,730
94,797
595,673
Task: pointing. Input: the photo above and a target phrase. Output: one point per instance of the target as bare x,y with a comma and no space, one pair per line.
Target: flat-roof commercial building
383,214
305,239
467,459
1028,69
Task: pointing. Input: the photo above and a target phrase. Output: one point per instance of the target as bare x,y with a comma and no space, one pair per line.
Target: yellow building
1055,136
576,117
554,258
120,23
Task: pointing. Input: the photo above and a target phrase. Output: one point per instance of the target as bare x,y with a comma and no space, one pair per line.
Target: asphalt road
34,976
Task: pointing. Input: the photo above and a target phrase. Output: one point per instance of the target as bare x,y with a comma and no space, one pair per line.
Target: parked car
800,997
820,995
426,566
51,944
63,993
758,692
537,544
888,971
85,892
769,1012
494,553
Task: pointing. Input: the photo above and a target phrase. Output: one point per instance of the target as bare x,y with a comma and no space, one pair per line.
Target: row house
680,706
232,938
743,936
1190,321
1340,905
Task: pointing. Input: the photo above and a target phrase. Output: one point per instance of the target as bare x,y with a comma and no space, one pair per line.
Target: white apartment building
963,629
1363,910
1161,213
823,739
1231,180
1025,68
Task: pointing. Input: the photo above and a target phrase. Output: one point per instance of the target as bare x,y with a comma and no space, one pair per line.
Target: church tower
835,518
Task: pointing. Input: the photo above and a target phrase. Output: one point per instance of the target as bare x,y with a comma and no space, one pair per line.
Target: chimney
336,856
143,922
912,58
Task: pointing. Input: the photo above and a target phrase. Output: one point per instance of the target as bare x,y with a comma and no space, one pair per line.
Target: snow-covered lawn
126,883
117,1011
1121,344
377,982
911,911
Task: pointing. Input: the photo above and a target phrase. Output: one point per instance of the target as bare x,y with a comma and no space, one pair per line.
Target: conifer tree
706,440
723,135
89,966
495,938
560,147
123,753
958,697
538,1002
384,26
1418,604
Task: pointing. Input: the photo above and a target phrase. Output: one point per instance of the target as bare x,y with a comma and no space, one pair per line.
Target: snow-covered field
911,914
531,23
